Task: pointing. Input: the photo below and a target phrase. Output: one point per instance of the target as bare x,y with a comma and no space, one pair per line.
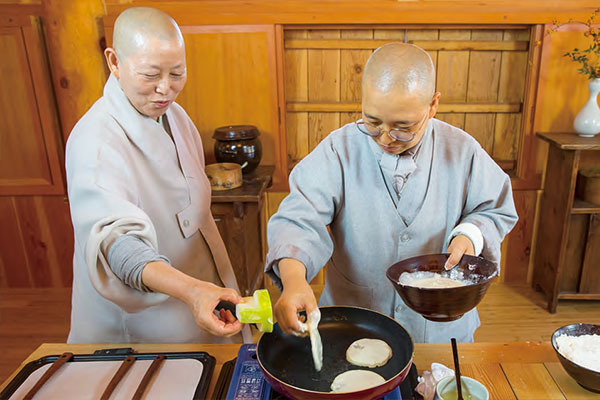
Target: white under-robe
341,185
126,175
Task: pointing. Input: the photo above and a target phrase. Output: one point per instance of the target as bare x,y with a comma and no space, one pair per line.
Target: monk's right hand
201,297
203,300
297,295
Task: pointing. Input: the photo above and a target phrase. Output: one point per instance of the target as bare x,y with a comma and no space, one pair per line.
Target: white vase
587,121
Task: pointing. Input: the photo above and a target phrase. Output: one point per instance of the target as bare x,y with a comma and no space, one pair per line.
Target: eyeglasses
400,134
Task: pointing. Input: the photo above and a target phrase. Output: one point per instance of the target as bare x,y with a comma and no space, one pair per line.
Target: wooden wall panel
36,242
482,87
13,256
323,86
352,63
510,90
424,34
296,89
22,155
29,156
452,75
226,88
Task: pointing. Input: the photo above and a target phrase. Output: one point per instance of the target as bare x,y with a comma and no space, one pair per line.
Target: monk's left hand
459,246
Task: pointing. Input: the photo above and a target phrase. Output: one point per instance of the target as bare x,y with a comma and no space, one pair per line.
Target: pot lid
236,132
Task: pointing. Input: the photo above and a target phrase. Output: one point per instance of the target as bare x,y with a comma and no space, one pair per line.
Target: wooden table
519,370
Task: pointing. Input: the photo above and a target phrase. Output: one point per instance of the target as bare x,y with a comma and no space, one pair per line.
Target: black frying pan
287,363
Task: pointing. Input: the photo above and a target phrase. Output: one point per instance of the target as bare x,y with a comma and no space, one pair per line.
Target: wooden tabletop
518,370
570,141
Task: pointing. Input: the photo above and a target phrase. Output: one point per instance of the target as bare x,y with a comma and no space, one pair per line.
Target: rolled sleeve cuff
288,251
472,232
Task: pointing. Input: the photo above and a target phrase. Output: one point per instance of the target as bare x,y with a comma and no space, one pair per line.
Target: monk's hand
297,295
203,299
459,246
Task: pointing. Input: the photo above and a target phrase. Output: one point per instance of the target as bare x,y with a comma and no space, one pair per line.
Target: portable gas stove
242,379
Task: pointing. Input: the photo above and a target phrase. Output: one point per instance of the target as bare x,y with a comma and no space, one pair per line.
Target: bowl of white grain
578,349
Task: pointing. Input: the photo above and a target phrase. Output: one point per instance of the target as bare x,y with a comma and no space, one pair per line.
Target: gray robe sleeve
489,204
127,257
299,228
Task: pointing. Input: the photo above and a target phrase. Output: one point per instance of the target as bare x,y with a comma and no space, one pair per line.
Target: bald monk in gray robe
396,184
149,264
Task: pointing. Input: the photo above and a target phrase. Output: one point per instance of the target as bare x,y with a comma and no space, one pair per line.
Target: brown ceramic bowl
446,304
586,378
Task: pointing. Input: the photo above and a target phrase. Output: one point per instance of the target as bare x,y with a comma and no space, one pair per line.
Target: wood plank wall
480,73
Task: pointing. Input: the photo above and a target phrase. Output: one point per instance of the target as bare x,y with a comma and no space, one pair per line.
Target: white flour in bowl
434,280
583,350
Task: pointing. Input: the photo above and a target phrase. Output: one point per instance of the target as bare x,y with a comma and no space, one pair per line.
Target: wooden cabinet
238,214
29,133
567,258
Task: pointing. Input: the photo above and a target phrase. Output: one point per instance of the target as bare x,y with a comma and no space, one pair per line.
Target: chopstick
457,369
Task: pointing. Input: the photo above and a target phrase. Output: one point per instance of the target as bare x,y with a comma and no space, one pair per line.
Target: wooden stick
457,369
125,365
147,376
48,374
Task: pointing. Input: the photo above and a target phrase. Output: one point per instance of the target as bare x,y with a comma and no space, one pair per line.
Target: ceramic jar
238,144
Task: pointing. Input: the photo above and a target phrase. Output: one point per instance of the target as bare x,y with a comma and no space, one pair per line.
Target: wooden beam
443,108
217,12
432,45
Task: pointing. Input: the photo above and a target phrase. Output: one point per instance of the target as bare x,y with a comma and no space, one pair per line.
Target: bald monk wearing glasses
395,184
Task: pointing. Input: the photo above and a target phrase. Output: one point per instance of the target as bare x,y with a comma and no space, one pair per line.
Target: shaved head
398,94
148,59
136,26
402,68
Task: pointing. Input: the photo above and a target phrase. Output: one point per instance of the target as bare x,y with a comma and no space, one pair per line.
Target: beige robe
126,175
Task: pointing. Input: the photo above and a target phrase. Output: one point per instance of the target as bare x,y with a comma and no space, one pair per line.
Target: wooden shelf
568,240
583,207
579,296
571,141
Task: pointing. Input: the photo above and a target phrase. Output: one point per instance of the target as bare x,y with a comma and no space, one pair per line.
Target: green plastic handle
256,310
